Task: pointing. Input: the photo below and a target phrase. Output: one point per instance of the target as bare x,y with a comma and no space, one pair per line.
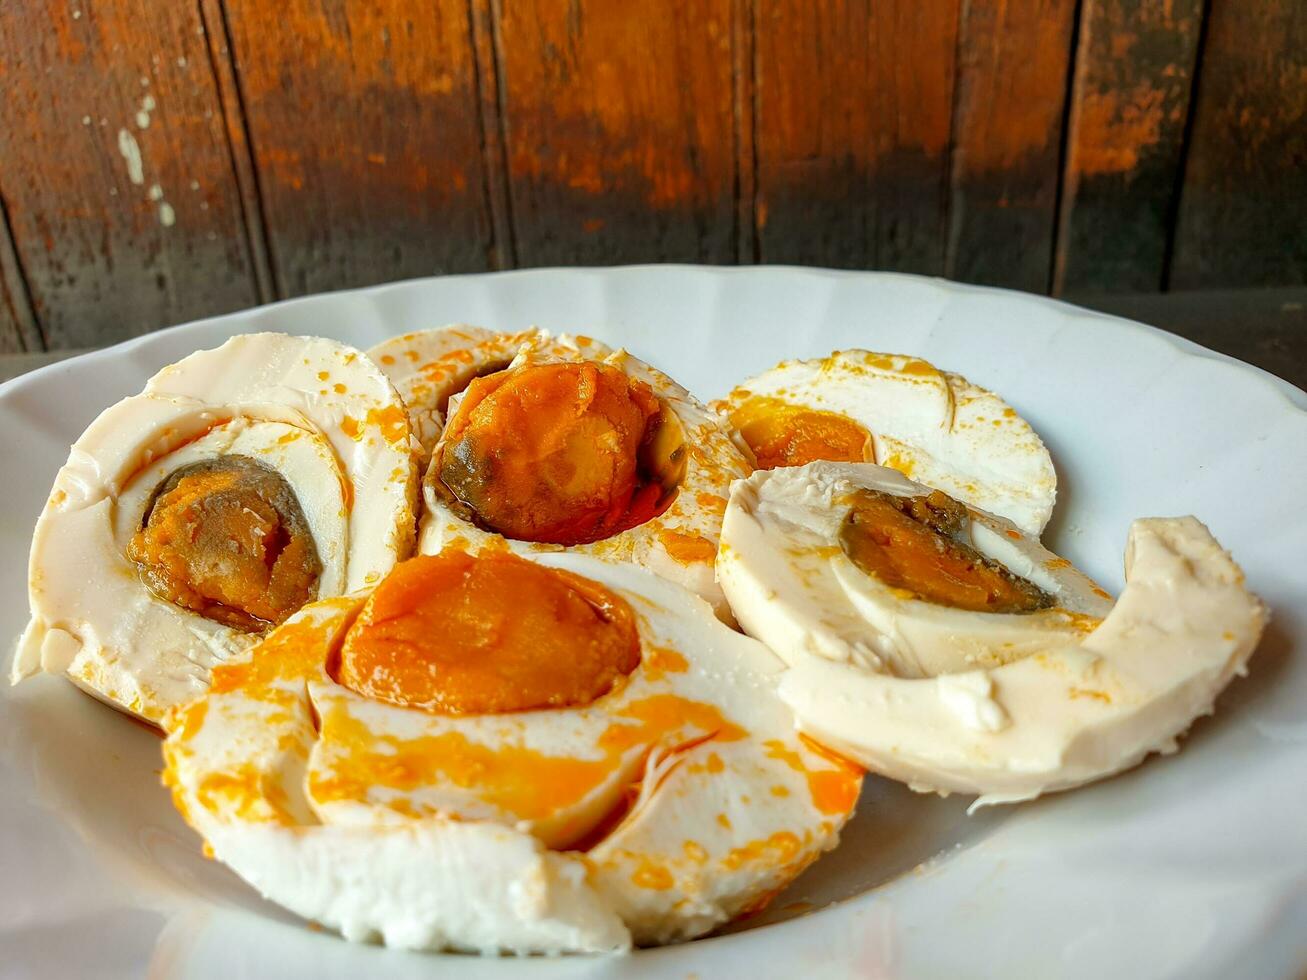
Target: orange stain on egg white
664,714
695,851
714,503
249,793
650,875
663,660
833,791
296,650
391,420
687,548
528,784
780,848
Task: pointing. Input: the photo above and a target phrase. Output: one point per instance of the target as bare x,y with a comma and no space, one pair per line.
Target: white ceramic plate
1190,866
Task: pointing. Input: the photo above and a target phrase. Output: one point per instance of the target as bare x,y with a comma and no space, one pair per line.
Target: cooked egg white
678,543
309,415
675,801
428,366
1005,705
902,412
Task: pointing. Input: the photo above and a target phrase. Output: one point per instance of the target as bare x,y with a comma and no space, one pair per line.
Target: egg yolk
913,543
487,634
781,434
226,538
554,452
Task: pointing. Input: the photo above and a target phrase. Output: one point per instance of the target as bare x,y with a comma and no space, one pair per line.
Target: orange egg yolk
913,543
552,452
781,434
226,538
482,635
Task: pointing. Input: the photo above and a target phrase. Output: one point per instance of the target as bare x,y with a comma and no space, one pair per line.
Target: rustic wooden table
1266,327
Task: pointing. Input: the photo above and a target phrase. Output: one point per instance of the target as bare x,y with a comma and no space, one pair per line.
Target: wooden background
161,161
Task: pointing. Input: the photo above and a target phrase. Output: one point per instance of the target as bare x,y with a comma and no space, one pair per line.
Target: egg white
268,396
1004,706
729,810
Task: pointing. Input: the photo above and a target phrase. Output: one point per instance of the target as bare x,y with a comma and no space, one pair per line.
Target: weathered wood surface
1129,106
115,169
619,130
364,118
1013,63
18,328
1243,210
160,162
852,111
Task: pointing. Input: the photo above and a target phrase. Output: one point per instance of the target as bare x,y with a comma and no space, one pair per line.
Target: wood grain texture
1014,59
1130,102
115,170
242,159
853,111
364,121
619,127
744,69
18,330
1243,210
493,152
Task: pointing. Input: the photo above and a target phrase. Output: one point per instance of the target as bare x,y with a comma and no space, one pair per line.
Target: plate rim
1293,397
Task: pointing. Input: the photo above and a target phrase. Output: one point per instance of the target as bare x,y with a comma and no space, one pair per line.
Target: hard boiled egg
493,754
190,519
578,446
902,412
944,647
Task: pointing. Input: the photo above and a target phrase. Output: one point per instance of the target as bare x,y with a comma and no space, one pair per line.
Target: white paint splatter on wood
148,105
167,216
131,152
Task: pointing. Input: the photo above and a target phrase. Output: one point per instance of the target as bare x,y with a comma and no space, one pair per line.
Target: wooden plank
619,123
18,329
1014,63
1130,102
494,153
364,121
242,156
1244,205
115,168
744,72
854,101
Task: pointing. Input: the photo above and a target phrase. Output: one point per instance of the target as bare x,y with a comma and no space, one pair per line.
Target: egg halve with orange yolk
943,647
242,483
427,367
580,757
902,412
579,446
